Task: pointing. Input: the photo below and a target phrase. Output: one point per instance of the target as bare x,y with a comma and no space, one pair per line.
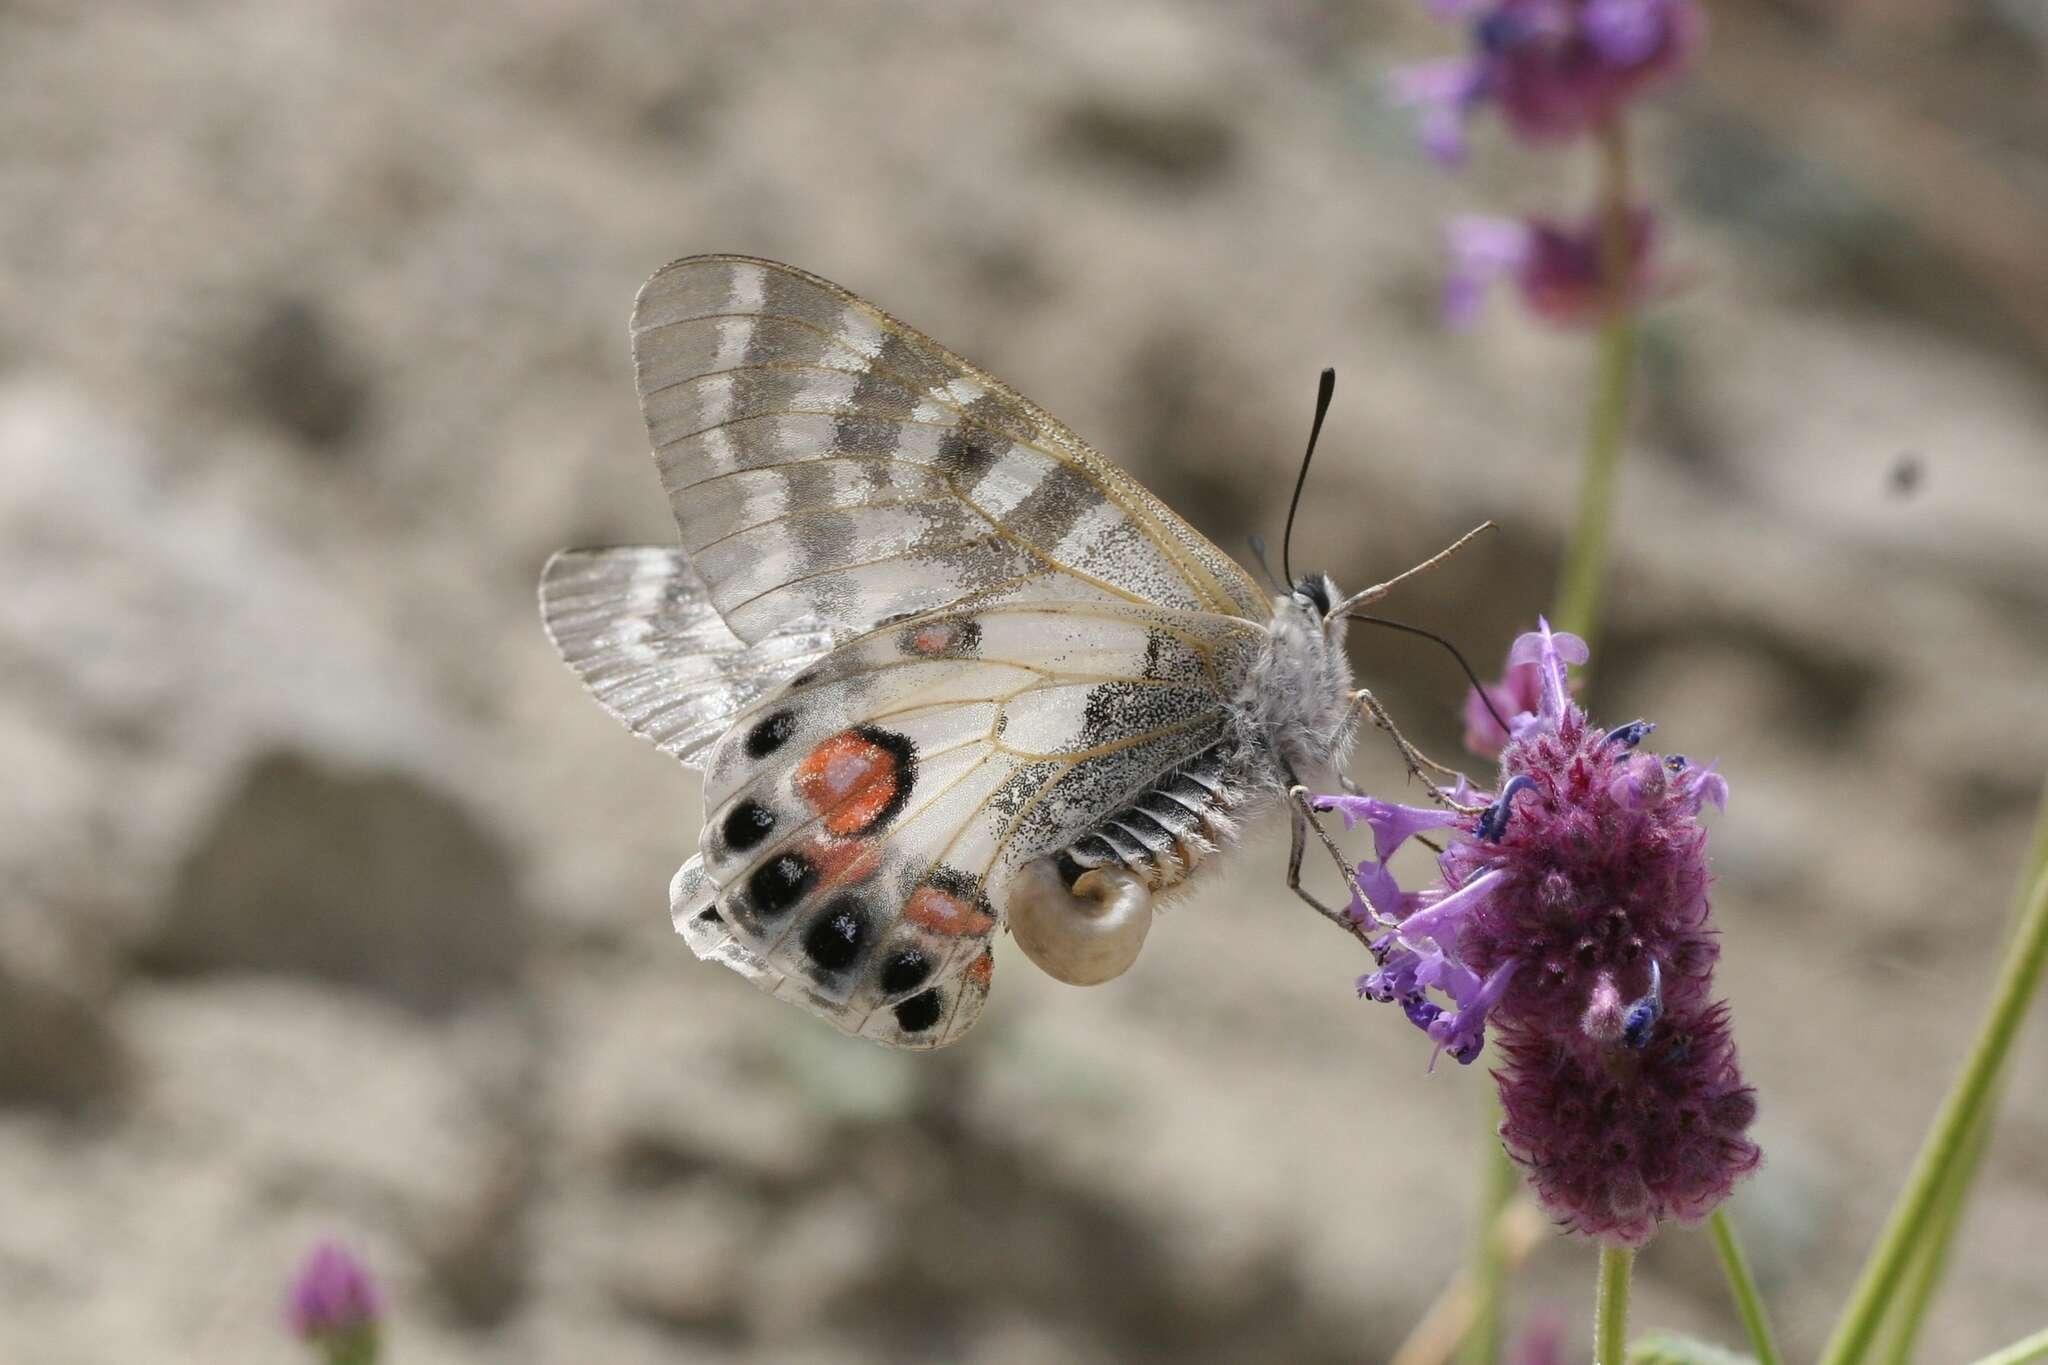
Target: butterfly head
1312,598
1316,591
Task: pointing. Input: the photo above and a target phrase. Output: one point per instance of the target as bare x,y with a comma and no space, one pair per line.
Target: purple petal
1462,1032
1625,32
1437,972
1447,80
1463,793
1551,650
1392,825
1515,697
1385,900
1704,785
1482,250
1393,980
332,1294
1440,92
1541,1342
1440,921
1637,781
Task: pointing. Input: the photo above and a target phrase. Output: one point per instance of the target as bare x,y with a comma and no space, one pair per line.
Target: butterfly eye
1316,589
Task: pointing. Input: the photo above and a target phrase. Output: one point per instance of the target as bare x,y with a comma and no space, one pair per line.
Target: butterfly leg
1364,700
1304,820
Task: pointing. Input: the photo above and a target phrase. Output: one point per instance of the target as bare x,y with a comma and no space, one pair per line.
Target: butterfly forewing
824,459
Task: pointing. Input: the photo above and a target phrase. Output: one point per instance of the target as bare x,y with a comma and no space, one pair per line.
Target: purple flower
334,1305
1554,68
1616,1140
1514,697
1556,266
1442,94
1572,920
1540,1342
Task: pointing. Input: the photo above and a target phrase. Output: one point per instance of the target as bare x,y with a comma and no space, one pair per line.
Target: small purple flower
1443,94
1514,697
1555,266
1540,1342
335,1306
1572,919
1554,68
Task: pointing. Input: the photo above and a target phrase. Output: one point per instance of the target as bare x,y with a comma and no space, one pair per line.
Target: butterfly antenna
1477,686
1325,387
1258,544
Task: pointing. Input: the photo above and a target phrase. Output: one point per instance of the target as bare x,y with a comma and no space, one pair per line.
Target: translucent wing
863,821
639,629
825,460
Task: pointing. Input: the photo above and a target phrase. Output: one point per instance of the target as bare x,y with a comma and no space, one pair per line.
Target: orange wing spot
842,861
942,912
980,971
933,639
851,779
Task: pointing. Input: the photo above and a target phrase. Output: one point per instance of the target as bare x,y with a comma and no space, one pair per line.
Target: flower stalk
1931,1253
1584,576
1490,1253
2023,1352
1908,1311
1610,1306
1554,73
1967,1105
1742,1285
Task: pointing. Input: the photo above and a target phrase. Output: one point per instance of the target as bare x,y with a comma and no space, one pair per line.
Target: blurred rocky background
329,905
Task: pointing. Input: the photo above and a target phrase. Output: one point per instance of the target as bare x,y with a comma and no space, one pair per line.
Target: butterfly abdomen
1165,833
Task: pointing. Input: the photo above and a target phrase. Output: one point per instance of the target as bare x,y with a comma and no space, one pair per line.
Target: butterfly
945,668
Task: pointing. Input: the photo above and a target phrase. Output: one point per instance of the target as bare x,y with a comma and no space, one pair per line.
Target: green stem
1489,1254
1908,1311
1585,566
1742,1284
1577,608
1610,1308
2022,1352
358,1347
1966,1105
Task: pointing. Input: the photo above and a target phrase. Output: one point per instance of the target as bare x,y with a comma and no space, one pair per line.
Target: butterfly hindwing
824,459
863,821
638,627
928,1010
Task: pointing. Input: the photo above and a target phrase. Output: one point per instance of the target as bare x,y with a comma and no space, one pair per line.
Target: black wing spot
780,883
906,971
771,734
919,1012
836,937
747,825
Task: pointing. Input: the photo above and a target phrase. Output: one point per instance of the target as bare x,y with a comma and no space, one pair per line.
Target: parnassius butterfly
945,668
